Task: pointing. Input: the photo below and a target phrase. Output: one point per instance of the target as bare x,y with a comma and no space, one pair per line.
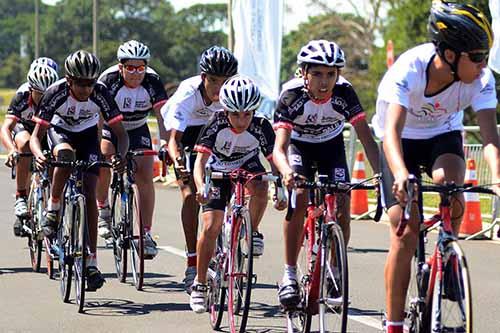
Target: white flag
494,61
258,29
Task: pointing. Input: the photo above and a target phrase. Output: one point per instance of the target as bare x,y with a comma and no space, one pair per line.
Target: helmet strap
441,48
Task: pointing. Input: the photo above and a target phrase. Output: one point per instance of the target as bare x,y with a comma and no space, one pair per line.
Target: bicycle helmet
461,28
45,61
82,65
239,94
133,50
40,77
321,52
218,60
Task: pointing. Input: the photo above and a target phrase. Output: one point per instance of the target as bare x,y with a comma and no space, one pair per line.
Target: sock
290,273
103,204
21,193
53,204
394,326
191,259
92,260
147,230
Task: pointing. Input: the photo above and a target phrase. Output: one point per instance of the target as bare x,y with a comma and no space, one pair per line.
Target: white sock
53,205
92,260
290,273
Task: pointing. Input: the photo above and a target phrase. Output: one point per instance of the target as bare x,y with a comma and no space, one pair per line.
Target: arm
164,135
121,135
199,175
396,117
280,156
175,147
7,127
488,126
35,143
365,136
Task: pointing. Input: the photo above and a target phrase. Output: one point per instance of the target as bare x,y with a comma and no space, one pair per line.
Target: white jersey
23,87
186,107
428,116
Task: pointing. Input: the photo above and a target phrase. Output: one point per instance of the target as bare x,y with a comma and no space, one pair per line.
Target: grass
5,97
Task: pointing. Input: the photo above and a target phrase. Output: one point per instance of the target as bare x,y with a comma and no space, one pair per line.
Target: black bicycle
71,246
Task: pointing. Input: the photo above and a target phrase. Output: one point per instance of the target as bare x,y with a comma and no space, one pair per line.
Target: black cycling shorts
139,138
418,154
327,158
84,143
221,190
20,127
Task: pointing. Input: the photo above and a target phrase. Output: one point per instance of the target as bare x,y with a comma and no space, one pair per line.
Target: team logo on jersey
215,193
311,119
339,174
71,110
226,146
127,103
429,112
403,85
203,112
92,158
339,101
295,159
145,141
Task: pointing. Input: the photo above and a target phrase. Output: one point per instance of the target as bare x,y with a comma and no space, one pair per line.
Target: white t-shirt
186,107
428,116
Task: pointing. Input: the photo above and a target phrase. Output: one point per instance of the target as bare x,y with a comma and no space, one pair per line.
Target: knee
406,244
65,154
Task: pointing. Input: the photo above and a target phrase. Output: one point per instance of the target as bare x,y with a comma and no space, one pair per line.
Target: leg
23,174
257,206
102,190
344,215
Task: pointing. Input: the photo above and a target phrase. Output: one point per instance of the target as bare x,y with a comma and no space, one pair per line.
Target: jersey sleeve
397,83
354,111
208,135
486,97
157,91
47,108
178,115
107,104
17,105
267,138
282,115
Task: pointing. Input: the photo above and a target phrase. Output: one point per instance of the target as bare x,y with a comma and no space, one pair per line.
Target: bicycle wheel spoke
217,292
79,250
136,232
119,233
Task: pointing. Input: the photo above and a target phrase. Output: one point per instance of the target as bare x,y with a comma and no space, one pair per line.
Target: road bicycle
230,272
126,220
322,267
440,298
71,246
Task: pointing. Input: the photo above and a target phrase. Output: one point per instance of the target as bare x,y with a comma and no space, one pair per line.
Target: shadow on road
361,250
119,307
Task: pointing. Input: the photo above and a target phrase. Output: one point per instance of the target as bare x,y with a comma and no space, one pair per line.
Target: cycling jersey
314,122
21,108
428,116
59,108
230,150
135,103
186,108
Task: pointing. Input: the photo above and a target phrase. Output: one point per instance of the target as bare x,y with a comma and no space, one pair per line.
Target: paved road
30,302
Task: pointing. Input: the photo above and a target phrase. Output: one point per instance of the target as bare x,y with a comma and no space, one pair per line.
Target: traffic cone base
472,220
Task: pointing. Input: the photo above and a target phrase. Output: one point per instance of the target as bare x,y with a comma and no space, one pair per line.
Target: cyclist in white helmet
309,121
17,129
236,127
138,91
69,113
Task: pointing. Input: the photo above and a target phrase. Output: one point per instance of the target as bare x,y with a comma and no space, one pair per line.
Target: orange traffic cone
472,221
359,198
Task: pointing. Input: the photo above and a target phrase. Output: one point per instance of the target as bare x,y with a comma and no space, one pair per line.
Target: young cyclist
138,91
16,132
309,121
196,99
69,113
419,116
230,140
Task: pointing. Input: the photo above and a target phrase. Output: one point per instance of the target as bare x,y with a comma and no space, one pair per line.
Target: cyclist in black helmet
68,113
419,113
185,113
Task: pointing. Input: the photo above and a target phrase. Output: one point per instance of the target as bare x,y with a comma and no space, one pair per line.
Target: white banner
258,29
494,61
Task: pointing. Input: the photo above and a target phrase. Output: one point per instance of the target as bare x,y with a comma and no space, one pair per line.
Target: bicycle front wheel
136,233
80,249
64,255
119,232
240,273
35,241
334,283
216,292
451,298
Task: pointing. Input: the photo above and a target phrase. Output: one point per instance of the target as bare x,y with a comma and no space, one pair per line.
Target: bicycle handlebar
81,165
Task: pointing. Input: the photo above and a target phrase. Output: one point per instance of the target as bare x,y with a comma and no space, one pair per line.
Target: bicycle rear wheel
64,256
80,249
49,257
136,238
334,283
216,292
119,232
35,241
451,298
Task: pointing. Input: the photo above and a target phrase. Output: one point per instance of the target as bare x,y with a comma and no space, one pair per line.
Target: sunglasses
135,69
84,83
477,57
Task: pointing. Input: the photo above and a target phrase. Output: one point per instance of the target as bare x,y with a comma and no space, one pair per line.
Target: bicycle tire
49,258
334,287
35,243
216,292
417,310
119,232
136,239
451,297
80,243
64,258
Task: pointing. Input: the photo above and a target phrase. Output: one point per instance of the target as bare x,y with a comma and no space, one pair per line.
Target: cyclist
231,140
185,114
17,129
69,113
137,91
309,121
419,113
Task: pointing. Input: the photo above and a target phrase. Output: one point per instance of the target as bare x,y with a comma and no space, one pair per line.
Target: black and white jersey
135,104
316,122
230,150
59,108
21,107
